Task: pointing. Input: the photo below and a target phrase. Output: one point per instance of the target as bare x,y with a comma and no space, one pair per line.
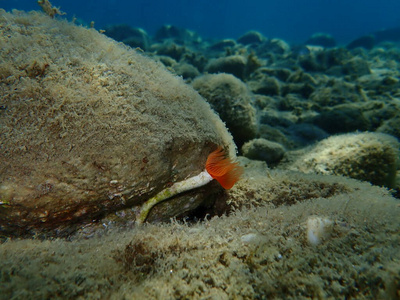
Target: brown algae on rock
368,156
256,252
90,126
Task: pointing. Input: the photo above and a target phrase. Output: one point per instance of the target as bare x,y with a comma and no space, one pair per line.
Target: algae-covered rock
251,37
342,118
177,34
323,60
134,37
170,49
356,67
187,71
231,98
262,149
89,126
337,92
321,39
391,126
259,252
222,45
277,46
234,64
264,85
366,156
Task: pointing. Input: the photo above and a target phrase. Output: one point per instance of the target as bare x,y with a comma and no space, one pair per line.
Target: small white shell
248,238
318,229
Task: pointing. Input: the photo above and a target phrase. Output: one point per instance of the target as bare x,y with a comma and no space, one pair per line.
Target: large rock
134,37
262,149
364,156
233,64
89,127
232,100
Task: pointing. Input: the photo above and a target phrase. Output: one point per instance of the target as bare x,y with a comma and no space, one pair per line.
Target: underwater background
291,20
107,135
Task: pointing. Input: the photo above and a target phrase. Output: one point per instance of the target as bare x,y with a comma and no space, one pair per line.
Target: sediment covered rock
89,126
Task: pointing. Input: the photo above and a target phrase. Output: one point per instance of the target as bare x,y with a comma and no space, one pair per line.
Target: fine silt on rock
89,126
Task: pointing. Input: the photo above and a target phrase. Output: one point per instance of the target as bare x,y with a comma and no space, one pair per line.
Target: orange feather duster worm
223,169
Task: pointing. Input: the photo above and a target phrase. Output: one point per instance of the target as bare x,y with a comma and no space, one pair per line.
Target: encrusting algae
218,167
49,9
97,130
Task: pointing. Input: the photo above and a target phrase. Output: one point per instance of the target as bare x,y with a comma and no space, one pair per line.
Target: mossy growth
256,252
49,9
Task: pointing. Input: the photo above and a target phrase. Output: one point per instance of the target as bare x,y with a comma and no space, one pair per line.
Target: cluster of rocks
277,98
89,135
103,128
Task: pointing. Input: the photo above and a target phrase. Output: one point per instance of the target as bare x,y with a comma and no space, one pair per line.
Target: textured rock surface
232,100
262,149
89,126
367,156
234,64
261,252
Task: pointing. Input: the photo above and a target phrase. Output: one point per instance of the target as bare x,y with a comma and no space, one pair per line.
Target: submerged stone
90,127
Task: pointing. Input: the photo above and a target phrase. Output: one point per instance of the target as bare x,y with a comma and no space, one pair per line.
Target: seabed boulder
89,126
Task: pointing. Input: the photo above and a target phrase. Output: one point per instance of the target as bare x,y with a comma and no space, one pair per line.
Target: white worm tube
178,187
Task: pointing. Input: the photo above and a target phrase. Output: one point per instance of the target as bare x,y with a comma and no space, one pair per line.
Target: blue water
292,20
